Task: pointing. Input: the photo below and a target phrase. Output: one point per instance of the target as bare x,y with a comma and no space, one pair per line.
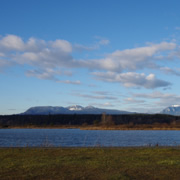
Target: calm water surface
87,138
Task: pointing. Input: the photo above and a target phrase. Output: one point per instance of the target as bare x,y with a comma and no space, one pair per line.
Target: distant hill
76,109
172,110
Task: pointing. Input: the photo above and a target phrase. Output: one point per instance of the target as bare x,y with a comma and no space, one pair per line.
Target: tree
106,120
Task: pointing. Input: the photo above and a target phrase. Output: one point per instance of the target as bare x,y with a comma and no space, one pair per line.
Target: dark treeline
77,119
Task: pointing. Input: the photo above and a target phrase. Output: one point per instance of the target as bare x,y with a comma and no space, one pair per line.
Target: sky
115,54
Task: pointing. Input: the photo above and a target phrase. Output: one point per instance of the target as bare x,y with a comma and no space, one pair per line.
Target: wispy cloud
177,28
132,79
12,109
161,99
154,95
69,82
105,93
102,105
100,42
43,74
47,73
133,101
168,70
92,96
153,102
4,64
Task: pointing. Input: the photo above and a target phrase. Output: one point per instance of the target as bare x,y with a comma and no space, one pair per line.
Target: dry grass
155,126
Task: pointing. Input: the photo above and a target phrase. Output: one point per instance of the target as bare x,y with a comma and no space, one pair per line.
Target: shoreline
119,127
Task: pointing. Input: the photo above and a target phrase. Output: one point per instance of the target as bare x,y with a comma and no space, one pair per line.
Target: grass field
90,163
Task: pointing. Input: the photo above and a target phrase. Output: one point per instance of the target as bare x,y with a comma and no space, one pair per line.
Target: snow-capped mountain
172,110
76,109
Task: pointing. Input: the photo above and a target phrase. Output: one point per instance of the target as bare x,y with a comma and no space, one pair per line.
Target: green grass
90,163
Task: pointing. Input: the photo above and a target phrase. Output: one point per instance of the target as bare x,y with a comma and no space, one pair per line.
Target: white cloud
35,51
34,45
12,42
16,43
132,79
56,55
47,57
62,45
131,59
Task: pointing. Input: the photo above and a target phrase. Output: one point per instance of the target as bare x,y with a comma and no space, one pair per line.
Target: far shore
91,127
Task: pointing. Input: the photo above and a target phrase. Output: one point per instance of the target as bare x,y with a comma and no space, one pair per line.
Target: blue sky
118,54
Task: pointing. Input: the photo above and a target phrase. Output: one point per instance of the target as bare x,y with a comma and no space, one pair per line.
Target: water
87,138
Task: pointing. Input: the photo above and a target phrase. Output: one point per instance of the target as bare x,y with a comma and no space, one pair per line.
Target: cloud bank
52,59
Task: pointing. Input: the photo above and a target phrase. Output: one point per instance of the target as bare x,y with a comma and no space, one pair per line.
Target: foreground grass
90,163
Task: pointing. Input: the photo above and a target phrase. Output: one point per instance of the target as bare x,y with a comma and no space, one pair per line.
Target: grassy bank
90,163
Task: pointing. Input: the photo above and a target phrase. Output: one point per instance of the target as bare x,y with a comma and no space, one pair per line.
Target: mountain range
172,110
76,109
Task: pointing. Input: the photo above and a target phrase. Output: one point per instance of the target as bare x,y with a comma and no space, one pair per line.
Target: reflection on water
87,138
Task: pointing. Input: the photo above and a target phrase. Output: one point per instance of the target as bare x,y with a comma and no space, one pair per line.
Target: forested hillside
77,119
